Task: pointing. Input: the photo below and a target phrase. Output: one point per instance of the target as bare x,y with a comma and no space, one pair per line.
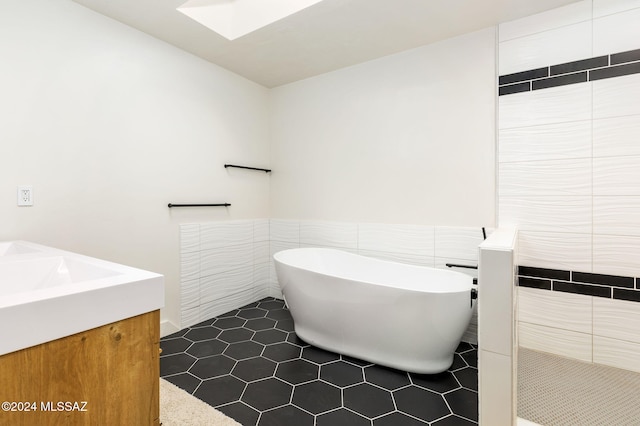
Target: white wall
109,125
405,139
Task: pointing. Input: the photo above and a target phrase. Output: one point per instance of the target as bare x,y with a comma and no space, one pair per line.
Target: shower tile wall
569,170
226,265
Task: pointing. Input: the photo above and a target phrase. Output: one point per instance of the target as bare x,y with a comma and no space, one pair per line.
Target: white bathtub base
381,357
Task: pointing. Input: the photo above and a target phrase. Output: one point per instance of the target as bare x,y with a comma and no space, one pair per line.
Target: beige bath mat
179,408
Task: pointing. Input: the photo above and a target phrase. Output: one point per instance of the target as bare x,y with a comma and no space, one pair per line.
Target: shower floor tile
250,365
553,390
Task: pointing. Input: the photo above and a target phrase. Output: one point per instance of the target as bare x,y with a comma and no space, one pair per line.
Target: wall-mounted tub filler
407,317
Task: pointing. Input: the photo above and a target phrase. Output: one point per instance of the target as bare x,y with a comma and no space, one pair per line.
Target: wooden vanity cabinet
104,376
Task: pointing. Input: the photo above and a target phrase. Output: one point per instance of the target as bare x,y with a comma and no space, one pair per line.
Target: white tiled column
497,332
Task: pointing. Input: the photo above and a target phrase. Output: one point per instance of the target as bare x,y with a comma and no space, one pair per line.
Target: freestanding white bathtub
402,316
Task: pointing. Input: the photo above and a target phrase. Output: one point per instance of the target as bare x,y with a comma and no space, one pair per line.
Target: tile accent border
599,285
597,68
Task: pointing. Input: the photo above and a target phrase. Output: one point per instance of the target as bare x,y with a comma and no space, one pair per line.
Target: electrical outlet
25,195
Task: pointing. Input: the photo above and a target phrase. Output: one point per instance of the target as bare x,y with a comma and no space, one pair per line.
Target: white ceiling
324,37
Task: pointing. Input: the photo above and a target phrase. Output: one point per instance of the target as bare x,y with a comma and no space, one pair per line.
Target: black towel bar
199,205
455,265
248,168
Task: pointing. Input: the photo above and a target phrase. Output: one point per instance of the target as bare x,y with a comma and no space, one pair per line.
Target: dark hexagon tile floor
250,365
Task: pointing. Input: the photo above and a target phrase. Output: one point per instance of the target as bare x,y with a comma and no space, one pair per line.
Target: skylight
235,18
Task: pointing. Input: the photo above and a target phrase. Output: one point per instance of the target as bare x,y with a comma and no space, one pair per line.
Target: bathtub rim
465,283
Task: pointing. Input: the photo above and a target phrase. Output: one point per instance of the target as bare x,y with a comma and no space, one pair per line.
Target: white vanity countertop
47,294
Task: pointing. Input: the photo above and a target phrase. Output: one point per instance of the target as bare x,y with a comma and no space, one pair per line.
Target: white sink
34,274
16,247
46,294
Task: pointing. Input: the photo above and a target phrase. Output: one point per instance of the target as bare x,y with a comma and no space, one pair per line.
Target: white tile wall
226,304
554,250
284,230
228,264
548,320
261,229
545,178
189,316
261,277
549,106
218,286
189,265
616,255
189,238
616,175
561,17
616,353
402,258
407,239
190,293
616,215
616,97
261,267
569,161
556,46
216,235
616,136
571,214
223,259
329,234
261,252
458,243
617,319
285,234
556,341
618,32
584,215
557,141
608,7
223,265
551,308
